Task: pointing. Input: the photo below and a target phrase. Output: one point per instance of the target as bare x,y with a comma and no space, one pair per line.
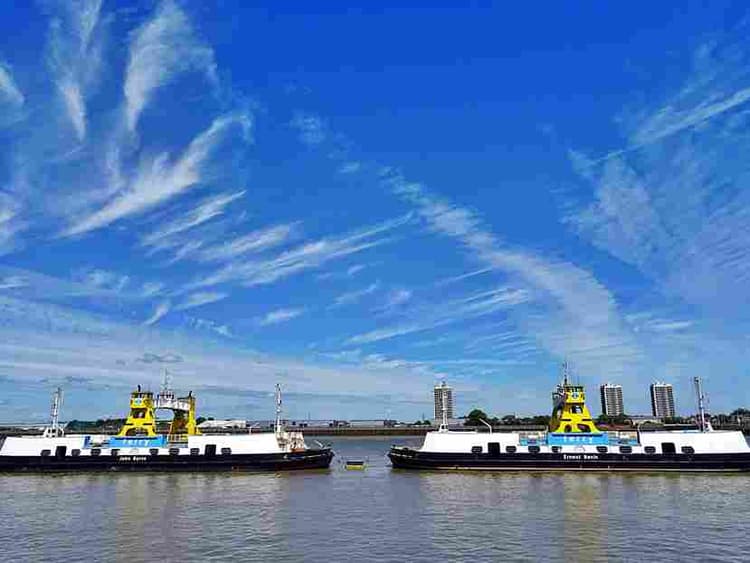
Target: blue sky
357,202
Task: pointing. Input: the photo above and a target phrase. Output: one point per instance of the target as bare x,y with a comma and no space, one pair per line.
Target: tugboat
574,443
138,447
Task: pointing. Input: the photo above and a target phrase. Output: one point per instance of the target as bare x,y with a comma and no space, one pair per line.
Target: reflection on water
374,515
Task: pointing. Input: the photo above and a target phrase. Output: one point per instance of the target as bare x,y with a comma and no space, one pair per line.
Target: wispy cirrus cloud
159,312
9,90
252,242
678,208
159,179
203,212
312,129
308,256
397,297
11,223
280,316
75,56
580,318
199,299
717,84
162,49
352,297
13,282
441,314
103,279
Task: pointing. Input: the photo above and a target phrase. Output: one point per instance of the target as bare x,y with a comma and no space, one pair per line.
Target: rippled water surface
378,514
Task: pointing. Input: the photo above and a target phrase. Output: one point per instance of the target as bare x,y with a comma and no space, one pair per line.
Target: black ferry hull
308,459
406,458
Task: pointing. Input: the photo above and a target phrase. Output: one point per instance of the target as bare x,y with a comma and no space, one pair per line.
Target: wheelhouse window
584,428
688,449
534,449
510,449
649,449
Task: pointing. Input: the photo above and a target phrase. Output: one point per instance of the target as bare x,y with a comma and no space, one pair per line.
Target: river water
379,514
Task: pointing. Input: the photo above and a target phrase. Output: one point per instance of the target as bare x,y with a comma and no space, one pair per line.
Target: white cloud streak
580,318
205,211
159,179
312,129
200,298
280,316
352,297
159,312
10,223
13,282
162,49
308,256
442,314
253,242
75,57
679,209
9,91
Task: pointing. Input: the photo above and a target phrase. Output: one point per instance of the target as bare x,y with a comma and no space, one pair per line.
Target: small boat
354,464
137,447
574,443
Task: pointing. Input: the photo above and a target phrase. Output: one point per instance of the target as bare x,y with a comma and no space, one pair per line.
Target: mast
166,386
54,427
704,425
277,428
444,425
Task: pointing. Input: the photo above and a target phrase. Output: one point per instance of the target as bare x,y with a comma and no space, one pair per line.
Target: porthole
649,449
626,450
556,449
95,452
174,451
476,449
195,451
154,451
534,449
602,449
510,449
45,453
115,452
75,453
688,450
226,451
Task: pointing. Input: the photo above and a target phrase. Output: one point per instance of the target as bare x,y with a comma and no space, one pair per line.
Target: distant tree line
101,425
476,416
